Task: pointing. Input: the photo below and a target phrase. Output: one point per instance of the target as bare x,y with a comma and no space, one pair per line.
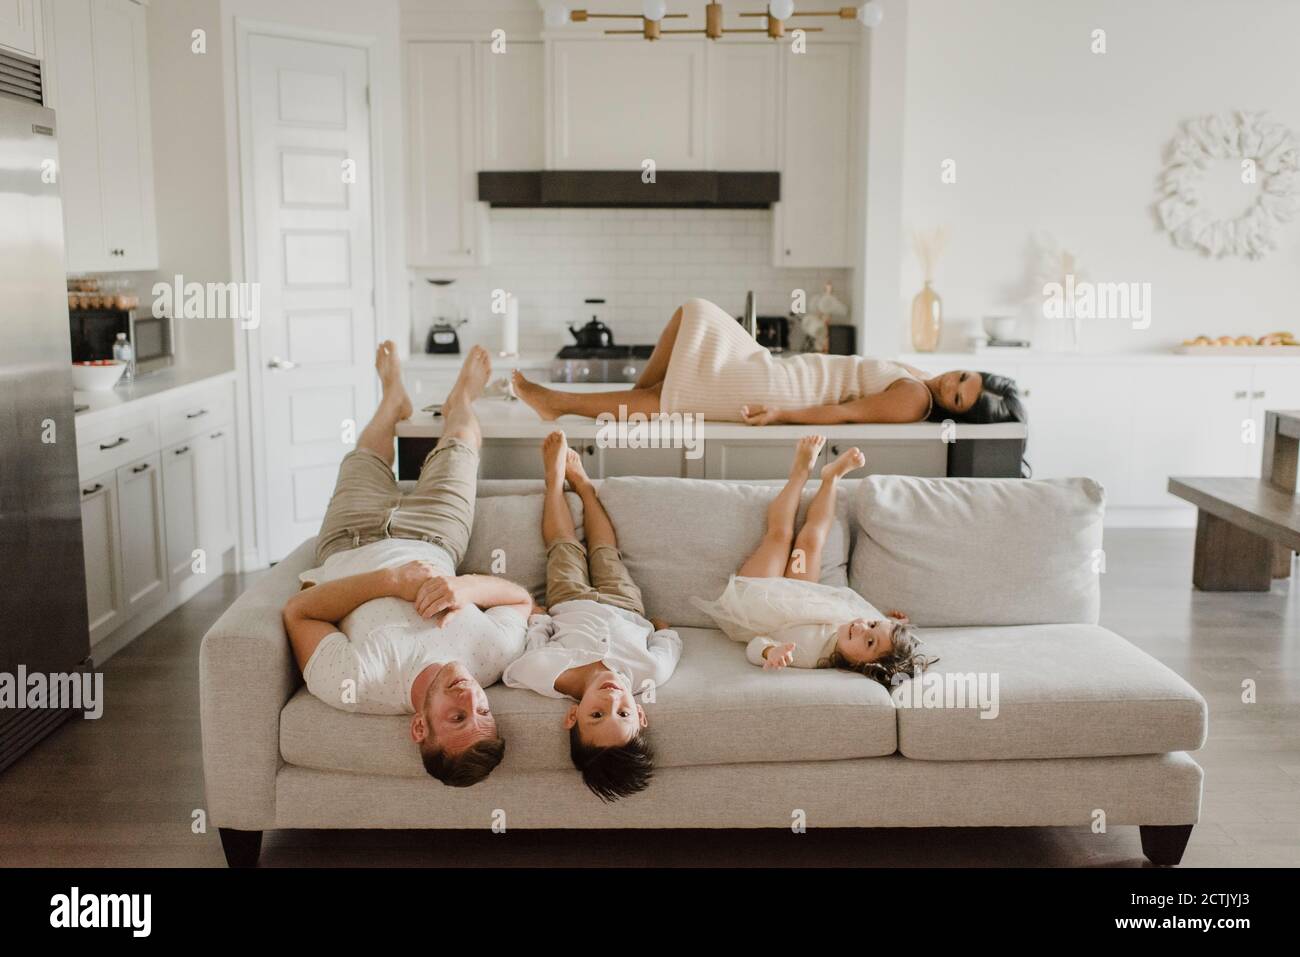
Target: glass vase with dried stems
927,305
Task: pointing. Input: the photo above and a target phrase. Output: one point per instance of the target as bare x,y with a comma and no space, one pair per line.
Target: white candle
510,330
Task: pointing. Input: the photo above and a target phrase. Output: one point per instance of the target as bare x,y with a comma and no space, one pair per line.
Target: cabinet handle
195,415
1239,394
216,435
97,487
144,467
787,252
122,440
589,450
835,450
1028,393
182,450
1259,394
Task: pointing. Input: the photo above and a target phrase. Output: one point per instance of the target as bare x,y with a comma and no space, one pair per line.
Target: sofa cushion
716,709
979,551
507,536
1059,691
686,537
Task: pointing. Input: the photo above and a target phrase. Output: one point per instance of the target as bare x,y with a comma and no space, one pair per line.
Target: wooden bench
1246,528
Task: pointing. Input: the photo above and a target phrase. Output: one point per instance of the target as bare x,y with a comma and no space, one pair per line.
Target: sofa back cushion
684,538
957,551
507,535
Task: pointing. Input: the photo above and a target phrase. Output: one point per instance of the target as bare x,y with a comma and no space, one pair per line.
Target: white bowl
96,378
1000,327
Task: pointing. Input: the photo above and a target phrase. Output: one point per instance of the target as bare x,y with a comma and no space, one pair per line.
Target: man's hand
659,624
409,578
443,593
776,657
760,415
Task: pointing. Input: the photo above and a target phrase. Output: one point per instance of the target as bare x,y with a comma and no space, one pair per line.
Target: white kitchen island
512,434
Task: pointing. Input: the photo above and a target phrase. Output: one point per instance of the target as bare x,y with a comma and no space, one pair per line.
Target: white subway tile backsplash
644,262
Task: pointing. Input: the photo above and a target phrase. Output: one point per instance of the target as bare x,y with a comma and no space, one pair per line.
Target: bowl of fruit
1274,343
97,375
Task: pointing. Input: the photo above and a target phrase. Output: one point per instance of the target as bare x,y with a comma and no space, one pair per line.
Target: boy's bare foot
574,472
554,459
537,396
806,451
389,367
473,376
848,460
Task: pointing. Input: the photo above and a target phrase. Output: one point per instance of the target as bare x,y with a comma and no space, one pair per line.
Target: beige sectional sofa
1001,576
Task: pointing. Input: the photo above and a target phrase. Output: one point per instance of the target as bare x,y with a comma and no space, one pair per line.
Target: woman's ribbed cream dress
716,367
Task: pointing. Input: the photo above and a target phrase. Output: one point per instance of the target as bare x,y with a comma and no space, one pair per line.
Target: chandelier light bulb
871,14
654,9
781,9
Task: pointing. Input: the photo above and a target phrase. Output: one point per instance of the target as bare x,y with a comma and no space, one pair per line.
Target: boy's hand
659,624
409,578
898,616
776,657
445,593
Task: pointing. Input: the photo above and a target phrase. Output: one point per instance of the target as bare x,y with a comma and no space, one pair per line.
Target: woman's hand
760,415
900,617
777,657
408,578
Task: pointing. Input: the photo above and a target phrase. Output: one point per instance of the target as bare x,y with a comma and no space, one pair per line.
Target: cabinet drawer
116,448
186,416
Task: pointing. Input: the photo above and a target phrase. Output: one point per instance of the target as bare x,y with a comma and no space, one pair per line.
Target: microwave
95,330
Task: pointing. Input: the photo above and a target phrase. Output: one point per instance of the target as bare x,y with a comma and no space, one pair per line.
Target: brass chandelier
654,12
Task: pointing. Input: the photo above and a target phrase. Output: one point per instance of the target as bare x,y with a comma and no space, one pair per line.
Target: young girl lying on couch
776,604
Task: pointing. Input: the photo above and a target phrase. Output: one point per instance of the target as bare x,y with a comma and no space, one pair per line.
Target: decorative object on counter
999,333
1260,153
927,306
816,325
1275,343
97,375
510,328
1055,266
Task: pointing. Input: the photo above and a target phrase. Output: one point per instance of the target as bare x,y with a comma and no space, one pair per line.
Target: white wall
1050,136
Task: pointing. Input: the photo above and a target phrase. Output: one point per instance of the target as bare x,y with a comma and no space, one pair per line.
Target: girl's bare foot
389,367
554,459
574,472
848,460
806,451
473,376
540,398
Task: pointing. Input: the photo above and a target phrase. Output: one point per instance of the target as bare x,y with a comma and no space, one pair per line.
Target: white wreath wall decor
1208,140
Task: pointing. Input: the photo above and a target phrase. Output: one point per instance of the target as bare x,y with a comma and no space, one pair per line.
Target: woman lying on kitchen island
706,363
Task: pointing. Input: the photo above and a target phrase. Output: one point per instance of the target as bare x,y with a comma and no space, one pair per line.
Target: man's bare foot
389,367
554,458
473,376
575,473
848,460
806,451
537,396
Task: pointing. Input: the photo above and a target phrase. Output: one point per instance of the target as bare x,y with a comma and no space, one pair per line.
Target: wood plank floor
123,790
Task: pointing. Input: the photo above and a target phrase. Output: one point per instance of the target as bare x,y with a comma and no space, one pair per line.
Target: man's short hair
467,768
612,773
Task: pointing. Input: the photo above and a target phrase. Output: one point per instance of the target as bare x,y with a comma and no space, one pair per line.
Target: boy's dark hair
612,773
905,660
469,767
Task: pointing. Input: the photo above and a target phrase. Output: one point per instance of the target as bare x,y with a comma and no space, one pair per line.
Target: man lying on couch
363,628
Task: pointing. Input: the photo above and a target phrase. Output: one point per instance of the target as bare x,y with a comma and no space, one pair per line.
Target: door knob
278,363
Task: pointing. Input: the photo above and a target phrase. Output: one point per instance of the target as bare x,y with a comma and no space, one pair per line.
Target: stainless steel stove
604,364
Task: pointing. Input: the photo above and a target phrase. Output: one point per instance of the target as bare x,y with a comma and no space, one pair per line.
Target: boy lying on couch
363,632
595,645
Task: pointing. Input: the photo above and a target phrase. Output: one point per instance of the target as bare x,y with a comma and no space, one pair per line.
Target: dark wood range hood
594,189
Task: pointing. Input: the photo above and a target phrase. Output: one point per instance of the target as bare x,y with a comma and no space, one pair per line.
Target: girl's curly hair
904,661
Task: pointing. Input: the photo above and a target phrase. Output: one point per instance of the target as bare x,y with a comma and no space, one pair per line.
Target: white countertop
145,387
943,361
418,361
502,418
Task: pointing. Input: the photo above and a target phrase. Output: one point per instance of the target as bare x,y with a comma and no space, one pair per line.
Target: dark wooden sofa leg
1163,844
243,847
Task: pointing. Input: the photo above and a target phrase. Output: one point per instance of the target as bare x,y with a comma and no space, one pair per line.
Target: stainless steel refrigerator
43,626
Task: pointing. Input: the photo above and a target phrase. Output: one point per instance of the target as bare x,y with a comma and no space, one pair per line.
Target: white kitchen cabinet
18,25
743,105
99,85
180,478
512,104
615,104
811,225
444,218
216,492
909,457
104,603
750,460
140,533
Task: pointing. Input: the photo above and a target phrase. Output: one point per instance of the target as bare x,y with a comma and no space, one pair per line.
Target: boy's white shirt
813,641
577,633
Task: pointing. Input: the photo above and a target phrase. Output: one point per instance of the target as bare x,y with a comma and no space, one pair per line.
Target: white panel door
140,533
18,25
812,219
103,559
743,105
180,500
617,103
442,183
311,200
513,107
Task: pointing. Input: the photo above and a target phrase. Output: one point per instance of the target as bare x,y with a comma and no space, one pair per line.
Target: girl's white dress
772,611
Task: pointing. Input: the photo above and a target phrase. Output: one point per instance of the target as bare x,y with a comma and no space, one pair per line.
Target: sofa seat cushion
1062,691
717,709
